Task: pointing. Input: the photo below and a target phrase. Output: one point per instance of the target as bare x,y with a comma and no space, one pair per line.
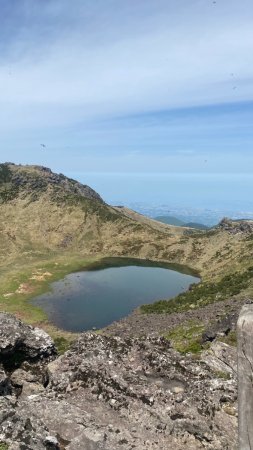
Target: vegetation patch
202,294
230,339
4,446
17,300
5,174
8,191
186,338
62,344
222,375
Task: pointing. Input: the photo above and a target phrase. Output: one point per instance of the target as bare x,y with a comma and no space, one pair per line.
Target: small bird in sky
234,87
43,145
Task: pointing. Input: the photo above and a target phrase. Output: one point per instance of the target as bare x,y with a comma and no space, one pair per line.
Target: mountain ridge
42,212
171,220
30,179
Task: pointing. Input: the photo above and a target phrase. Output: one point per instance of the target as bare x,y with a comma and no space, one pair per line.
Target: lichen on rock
114,393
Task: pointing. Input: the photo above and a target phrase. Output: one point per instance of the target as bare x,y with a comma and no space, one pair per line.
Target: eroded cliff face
113,393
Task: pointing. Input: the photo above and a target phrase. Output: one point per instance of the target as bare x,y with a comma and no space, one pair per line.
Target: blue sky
125,87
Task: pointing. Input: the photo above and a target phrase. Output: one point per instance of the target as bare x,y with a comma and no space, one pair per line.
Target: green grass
7,193
186,338
4,446
20,304
5,174
230,339
32,184
62,344
203,294
222,375
194,233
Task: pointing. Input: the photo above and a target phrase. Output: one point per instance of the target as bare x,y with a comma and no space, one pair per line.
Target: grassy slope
49,228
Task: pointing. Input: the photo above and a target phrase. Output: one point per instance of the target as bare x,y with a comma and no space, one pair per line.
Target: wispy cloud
110,61
69,73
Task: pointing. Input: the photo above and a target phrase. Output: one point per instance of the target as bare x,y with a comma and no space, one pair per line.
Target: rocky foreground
111,393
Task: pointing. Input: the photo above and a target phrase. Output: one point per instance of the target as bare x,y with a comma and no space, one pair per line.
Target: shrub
203,294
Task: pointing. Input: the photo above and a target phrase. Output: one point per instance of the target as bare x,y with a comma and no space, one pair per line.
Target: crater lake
111,289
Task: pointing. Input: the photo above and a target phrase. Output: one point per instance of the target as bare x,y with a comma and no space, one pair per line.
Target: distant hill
171,220
199,226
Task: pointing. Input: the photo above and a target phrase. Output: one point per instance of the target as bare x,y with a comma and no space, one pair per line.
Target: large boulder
20,342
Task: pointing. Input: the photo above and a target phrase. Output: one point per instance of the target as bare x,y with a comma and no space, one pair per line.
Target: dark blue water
97,297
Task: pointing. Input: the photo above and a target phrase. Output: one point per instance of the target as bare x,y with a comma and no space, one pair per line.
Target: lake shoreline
58,266
108,289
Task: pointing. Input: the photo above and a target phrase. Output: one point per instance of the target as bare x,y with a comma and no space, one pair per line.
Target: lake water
110,290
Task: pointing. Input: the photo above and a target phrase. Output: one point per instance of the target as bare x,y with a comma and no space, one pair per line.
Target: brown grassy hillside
51,225
43,214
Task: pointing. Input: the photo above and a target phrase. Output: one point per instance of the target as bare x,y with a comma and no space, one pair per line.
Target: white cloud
104,61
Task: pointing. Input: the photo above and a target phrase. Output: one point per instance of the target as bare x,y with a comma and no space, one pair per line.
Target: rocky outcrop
218,318
236,226
221,358
221,327
39,178
113,393
20,342
24,353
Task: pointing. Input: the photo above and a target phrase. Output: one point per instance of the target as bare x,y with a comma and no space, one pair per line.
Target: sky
145,100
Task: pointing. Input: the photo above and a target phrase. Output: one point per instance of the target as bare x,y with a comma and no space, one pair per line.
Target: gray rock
221,327
52,443
5,386
235,227
245,374
221,357
20,342
25,383
20,376
146,387
111,393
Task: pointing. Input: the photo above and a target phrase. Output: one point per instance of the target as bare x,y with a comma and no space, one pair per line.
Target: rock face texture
109,393
235,227
245,372
39,178
222,315
20,342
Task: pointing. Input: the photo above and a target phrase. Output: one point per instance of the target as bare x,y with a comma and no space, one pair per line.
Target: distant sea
204,197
